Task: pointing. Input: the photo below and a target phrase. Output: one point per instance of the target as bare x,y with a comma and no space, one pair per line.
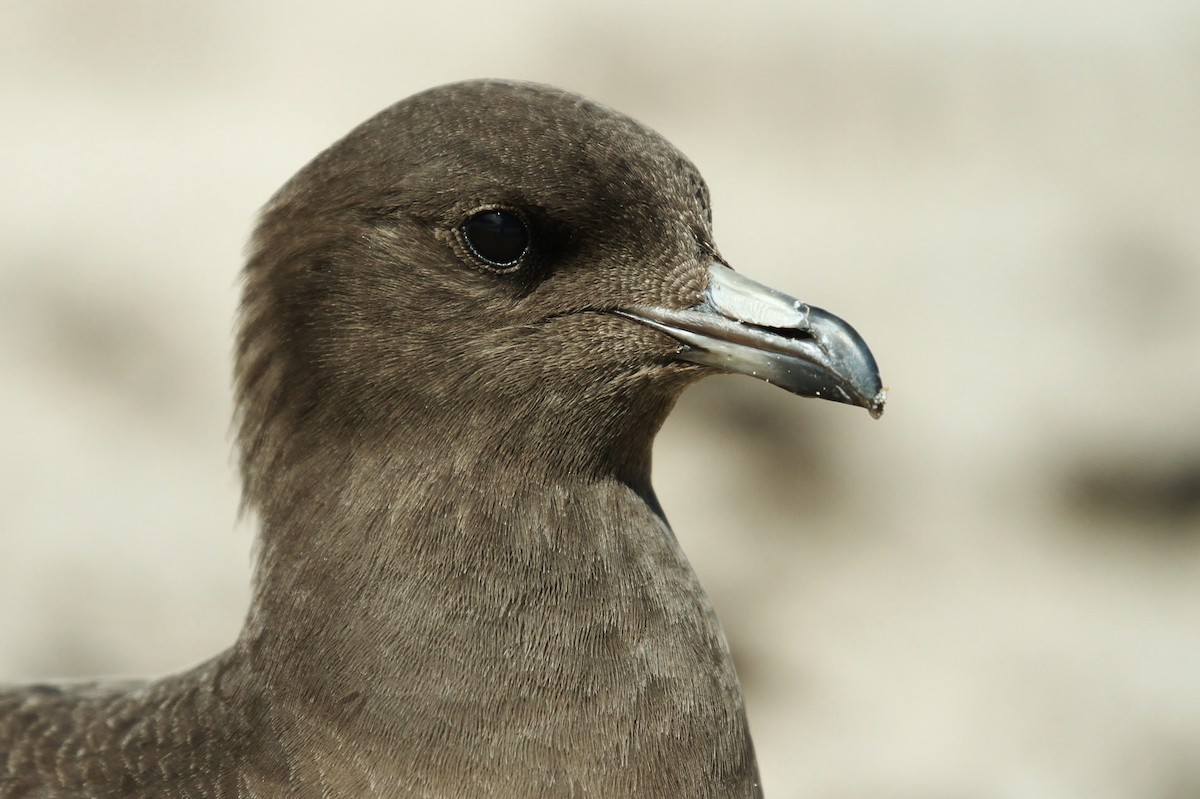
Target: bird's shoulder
123,738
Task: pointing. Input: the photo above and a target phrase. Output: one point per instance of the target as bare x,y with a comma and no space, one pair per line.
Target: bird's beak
747,328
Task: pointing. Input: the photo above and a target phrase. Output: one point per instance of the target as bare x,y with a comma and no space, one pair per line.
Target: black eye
499,238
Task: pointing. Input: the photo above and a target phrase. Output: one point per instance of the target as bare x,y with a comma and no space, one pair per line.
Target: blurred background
994,591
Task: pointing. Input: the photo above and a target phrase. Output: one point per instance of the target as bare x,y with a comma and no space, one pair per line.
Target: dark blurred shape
1145,490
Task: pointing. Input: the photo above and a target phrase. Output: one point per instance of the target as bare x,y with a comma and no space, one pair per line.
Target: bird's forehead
540,143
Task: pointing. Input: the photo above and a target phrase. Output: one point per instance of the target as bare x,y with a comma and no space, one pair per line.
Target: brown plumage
464,583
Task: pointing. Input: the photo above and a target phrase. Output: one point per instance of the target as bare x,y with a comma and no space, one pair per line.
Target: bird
461,327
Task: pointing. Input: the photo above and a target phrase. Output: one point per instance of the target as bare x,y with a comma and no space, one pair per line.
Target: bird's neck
364,558
402,599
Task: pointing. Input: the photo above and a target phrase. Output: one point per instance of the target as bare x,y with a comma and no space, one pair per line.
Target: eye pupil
498,237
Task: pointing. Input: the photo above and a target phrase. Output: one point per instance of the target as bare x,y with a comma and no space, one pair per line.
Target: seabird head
495,256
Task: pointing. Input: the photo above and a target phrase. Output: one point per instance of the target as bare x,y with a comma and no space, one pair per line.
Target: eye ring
497,237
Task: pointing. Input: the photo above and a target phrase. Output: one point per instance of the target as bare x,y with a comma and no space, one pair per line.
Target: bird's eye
498,238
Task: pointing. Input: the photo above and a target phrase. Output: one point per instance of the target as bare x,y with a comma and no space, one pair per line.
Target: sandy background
992,592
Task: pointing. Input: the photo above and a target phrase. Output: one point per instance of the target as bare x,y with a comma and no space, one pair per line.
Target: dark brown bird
462,326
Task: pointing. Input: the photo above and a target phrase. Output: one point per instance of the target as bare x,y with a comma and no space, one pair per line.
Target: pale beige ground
993,592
